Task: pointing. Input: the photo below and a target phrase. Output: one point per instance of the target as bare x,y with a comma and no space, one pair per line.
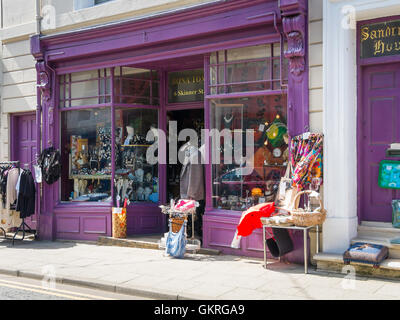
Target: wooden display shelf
136,145
241,182
90,176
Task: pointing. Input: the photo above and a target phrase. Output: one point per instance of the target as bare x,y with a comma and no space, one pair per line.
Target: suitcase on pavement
366,253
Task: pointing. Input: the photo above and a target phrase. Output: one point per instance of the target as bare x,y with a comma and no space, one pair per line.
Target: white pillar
340,115
340,157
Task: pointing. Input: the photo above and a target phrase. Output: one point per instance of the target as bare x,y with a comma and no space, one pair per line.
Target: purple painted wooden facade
378,123
184,39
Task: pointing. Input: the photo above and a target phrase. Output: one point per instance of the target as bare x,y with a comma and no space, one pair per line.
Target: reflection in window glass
266,115
85,88
255,68
86,155
136,86
136,178
247,53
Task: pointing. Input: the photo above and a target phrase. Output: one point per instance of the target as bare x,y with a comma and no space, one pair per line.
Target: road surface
18,288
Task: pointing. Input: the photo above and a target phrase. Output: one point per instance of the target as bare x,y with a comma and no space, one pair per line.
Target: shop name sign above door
186,86
380,39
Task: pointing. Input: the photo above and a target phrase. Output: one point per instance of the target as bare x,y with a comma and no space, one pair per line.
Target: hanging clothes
26,195
9,218
192,174
50,163
3,185
12,180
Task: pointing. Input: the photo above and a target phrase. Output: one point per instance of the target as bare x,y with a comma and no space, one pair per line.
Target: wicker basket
176,224
303,218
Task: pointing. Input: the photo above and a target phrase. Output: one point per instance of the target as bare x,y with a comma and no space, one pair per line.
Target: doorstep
379,233
389,268
145,242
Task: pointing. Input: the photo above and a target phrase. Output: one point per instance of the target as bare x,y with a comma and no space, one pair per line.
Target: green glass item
276,132
396,214
389,174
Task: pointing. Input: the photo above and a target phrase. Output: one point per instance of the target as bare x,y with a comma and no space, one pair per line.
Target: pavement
151,274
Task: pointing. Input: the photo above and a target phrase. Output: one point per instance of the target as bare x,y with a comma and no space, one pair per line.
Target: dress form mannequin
154,131
130,131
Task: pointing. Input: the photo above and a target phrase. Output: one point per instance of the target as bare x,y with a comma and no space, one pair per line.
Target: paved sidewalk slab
150,273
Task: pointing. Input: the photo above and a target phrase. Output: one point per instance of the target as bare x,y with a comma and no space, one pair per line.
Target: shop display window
86,155
85,88
86,134
246,69
136,86
248,176
136,178
233,187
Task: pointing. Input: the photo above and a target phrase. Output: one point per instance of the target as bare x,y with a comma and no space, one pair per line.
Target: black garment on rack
50,163
26,195
3,185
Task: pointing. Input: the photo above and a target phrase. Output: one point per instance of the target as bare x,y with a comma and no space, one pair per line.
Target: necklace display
228,120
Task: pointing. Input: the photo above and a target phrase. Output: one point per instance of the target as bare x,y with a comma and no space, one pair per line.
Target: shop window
86,155
81,4
240,181
85,88
96,2
256,68
136,175
136,86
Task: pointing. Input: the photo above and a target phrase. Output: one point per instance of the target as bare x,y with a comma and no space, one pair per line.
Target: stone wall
315,63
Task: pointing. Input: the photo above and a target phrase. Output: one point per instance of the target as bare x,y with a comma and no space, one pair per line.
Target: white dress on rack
10,218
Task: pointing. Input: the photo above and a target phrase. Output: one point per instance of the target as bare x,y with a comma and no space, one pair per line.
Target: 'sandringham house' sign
380,39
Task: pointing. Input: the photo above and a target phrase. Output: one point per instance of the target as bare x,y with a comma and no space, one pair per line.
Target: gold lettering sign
380,39
186,86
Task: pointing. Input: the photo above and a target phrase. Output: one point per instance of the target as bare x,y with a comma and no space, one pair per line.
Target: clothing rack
23,224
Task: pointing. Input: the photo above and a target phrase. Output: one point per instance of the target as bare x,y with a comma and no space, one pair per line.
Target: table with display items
305,230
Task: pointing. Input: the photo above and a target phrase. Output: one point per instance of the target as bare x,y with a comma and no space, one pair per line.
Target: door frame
13,157
13,125
362,65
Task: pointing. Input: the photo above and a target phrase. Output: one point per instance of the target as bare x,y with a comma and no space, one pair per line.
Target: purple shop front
221,65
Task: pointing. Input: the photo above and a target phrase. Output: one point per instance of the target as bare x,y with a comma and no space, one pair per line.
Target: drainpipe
38,16
38,123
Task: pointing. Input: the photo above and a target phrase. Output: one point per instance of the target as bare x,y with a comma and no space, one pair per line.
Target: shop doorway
185,119
23,147
379,126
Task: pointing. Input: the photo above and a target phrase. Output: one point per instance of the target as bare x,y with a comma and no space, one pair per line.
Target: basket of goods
176,224
119,225
307,217
279,220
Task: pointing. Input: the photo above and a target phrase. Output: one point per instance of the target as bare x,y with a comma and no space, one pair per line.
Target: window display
86,134
86,155
135,178
266,115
